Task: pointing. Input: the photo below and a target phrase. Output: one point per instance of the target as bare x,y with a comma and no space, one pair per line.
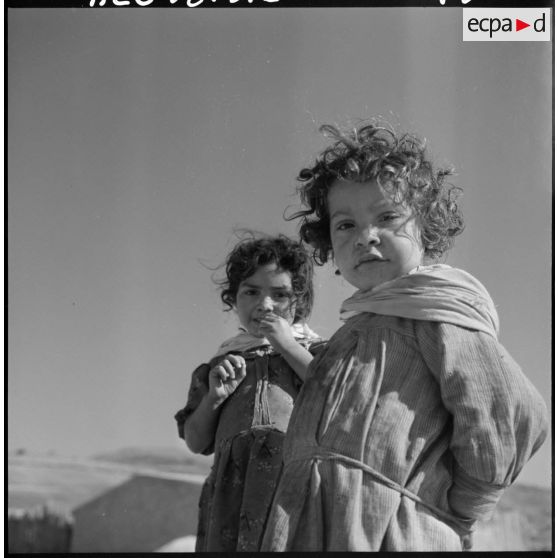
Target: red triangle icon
519,25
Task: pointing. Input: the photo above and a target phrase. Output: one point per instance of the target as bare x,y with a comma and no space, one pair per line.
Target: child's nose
265,303
368,236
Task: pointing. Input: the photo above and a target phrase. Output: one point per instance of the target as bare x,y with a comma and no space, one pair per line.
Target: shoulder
437,331
368,323
453,347
316,346
422,334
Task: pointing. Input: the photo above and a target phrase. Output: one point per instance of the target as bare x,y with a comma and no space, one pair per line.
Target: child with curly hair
240,402
414,418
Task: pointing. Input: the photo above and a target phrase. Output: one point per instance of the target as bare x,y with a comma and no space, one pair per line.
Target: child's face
268,290
374,240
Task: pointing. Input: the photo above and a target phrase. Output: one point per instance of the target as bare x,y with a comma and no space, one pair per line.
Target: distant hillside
167,459
64,483
534,504
61,484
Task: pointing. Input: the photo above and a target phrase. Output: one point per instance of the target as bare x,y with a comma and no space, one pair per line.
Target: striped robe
402,449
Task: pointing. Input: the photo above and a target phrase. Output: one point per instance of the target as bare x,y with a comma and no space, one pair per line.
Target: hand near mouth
277,330
279,333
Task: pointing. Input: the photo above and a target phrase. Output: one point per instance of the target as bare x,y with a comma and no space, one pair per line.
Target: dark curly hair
370,151
256,250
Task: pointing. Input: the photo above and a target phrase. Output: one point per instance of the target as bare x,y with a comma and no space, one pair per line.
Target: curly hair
257,250
398,162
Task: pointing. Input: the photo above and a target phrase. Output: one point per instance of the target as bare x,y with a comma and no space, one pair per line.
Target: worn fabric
438,293
248,444
245,341
405,434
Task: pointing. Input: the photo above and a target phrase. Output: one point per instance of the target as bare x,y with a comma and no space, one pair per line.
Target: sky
139,140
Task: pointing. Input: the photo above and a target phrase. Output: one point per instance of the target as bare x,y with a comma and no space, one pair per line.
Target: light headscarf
438,293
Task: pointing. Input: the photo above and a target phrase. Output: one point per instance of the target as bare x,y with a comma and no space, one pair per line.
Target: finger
241,367
268,323
230,369
241,372
220,373
276,320
236,360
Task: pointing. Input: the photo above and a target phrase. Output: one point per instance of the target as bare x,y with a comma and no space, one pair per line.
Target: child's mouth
257,320
372,260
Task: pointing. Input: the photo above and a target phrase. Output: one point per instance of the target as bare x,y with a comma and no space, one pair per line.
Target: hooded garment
411,423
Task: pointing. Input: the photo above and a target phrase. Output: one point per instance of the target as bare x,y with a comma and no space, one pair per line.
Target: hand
225,377
277,330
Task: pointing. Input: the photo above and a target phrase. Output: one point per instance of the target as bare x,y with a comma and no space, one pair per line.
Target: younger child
240,402
414,418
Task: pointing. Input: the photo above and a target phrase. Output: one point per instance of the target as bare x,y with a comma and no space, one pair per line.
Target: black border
281,4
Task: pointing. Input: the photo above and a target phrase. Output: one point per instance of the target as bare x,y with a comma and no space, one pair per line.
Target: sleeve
499,418
199,386
317,347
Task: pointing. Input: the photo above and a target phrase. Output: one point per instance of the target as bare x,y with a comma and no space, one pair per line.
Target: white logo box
507,24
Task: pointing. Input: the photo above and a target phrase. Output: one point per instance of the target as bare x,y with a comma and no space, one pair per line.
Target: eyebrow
382,205
338,213
252,286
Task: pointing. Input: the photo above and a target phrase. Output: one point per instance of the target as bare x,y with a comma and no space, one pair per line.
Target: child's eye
387,217
250,292
343,226
282,296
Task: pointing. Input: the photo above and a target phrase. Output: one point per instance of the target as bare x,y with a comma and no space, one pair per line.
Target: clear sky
138,139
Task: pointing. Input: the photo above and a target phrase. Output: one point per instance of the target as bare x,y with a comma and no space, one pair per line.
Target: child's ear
337,272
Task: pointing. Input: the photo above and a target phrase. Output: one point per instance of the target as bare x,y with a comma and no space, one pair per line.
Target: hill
65,483
534,505
62,482
167,459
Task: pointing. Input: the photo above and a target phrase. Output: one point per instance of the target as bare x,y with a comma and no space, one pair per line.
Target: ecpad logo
506,24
